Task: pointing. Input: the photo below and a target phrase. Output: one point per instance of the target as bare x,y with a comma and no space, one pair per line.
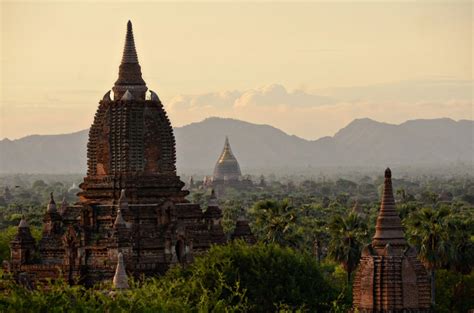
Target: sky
308,68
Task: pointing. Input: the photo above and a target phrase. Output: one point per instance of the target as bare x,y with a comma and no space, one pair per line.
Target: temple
390,278
132,213
227,172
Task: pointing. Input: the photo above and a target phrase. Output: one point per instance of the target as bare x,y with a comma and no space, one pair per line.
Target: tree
274,221
269,274
428,230
461,255
347,237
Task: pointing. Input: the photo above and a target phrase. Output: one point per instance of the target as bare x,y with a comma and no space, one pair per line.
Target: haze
307,68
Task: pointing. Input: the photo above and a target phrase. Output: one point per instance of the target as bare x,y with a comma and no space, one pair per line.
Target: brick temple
131,206
390,278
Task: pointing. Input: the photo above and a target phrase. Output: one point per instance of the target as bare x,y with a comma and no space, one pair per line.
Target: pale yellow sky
261,62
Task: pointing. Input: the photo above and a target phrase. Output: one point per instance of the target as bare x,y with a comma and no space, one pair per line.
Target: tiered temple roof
132,214
390,278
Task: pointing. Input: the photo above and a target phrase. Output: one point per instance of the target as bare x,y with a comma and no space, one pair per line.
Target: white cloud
312,116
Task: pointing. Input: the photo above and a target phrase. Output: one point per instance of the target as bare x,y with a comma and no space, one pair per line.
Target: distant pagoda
132,207
227,173
227,167
390,278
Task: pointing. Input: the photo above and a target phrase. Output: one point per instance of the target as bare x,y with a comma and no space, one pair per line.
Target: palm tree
428,230
347,237
274,220
461,256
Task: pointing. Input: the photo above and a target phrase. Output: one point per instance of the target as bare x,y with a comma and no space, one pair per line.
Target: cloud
277,95
313,116
407,91
271,95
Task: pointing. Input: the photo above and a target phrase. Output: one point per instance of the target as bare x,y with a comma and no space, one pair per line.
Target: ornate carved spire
129,50
120,278
389,229
51,205
130,73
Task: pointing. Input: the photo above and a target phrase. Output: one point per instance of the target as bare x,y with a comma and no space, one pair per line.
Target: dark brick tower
131,142
390,278
132,206
23,244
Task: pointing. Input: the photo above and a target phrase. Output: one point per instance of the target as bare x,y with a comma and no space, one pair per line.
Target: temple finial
119,221
129,50
23,223
130,73
389,229
120,280
52,204
213,199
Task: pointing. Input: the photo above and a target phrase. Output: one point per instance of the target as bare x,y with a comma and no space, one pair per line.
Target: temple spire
130,73
120,280
213,199
227,151
389,229
129,50
51,204
23,223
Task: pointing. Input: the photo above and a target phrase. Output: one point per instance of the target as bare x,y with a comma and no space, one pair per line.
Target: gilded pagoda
227,172
132,207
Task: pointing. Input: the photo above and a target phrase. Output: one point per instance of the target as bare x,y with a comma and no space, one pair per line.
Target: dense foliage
305,228
231,278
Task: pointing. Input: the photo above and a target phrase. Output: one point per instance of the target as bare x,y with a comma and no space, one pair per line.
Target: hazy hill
363,142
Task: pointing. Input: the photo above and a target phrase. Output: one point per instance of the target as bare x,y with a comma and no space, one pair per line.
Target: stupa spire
389,229
120,280
51,204
213,199
227,151
129,50
23,222
130,73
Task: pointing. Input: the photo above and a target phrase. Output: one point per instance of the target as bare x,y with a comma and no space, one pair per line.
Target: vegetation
309,244
347,237
231,278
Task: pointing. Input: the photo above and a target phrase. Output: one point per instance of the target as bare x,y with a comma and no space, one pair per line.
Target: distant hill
363,142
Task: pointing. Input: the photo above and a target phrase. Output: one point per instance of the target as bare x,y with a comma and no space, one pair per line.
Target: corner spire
52,204
119,221
389,229
23,223
213,199
120,280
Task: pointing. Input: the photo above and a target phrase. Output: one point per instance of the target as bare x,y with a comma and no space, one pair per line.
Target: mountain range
363,142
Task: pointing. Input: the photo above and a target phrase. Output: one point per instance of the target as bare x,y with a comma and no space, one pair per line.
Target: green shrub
231,278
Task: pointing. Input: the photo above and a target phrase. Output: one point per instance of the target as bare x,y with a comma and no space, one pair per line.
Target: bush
454,292
231,278
270,276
